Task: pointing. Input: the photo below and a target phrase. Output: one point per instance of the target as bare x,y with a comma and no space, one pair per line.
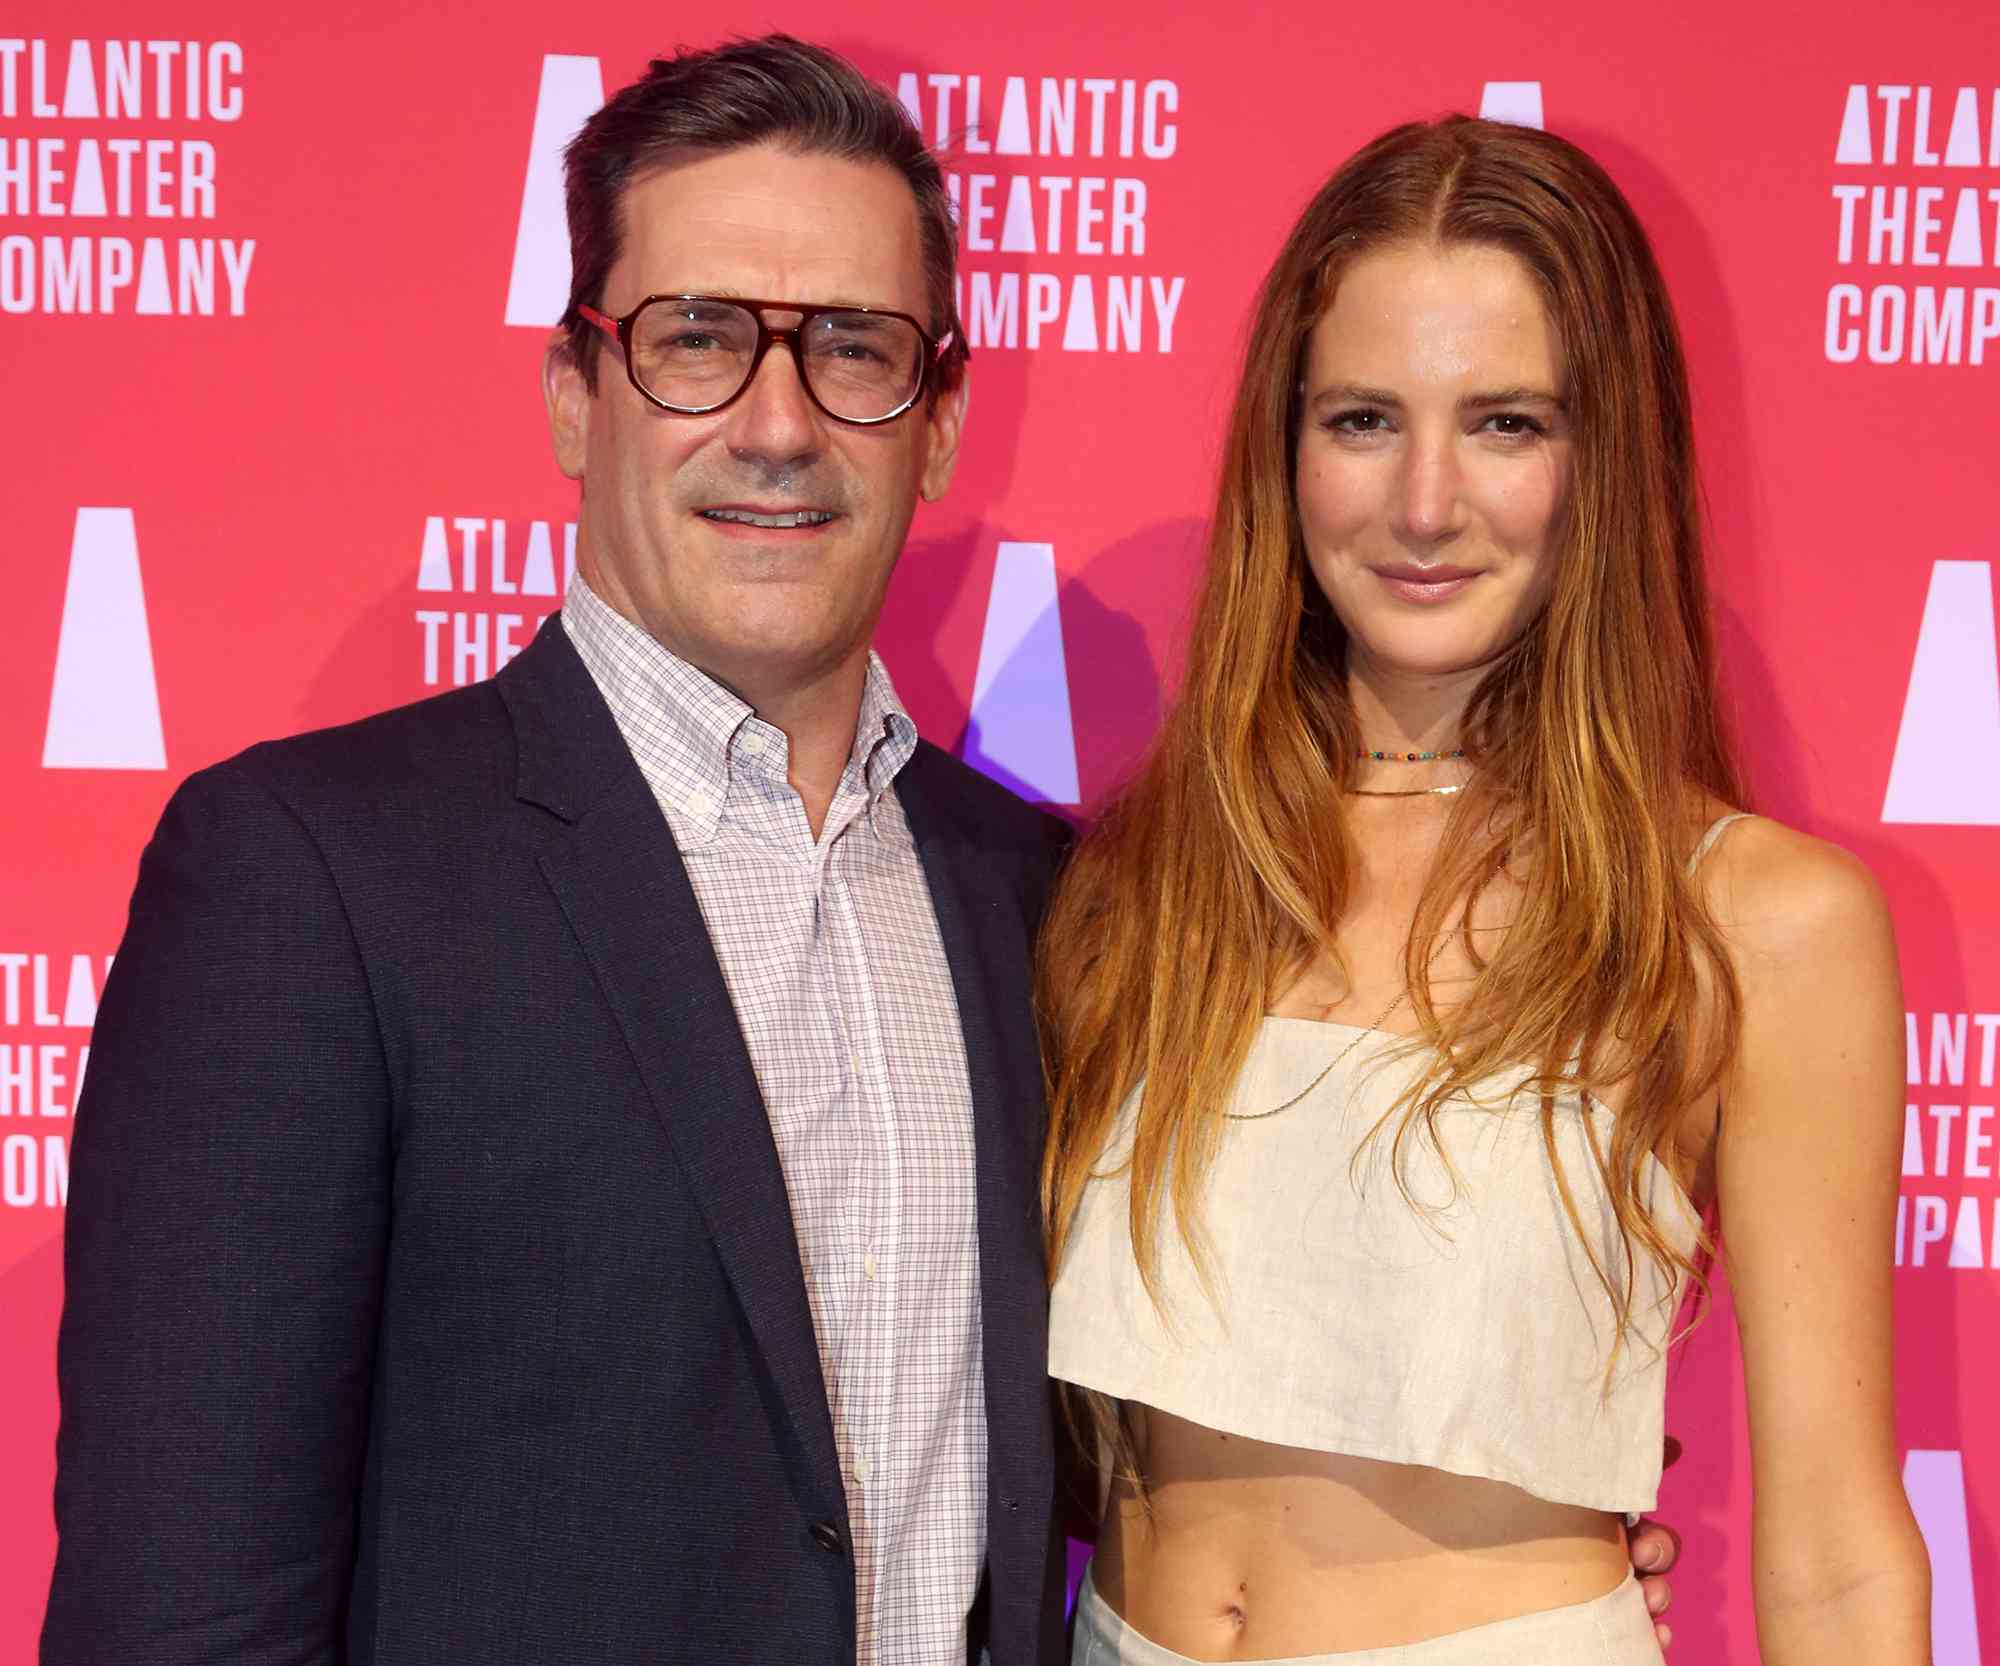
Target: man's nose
774,420
1428,491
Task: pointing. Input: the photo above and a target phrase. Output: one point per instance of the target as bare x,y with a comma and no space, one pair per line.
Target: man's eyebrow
838,303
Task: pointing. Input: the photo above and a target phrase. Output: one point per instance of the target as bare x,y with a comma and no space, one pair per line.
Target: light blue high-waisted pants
1611,1630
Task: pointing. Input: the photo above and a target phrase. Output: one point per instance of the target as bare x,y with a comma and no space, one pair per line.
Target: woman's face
1434,456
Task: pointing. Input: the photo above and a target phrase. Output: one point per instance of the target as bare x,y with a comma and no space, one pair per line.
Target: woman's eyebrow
1356,394
1510,396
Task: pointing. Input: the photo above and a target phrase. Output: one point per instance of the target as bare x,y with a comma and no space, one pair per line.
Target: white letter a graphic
1935,1482
104,711
1519,102
572,89
1020,733
1947,766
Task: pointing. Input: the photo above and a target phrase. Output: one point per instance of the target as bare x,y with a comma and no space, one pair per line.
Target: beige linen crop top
1460,1326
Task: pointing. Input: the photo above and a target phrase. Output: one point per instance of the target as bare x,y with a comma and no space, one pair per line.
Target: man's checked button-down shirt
833,960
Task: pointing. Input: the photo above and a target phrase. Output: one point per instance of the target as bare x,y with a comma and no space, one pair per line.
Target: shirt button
754,743
861,1470
700,804
854,1061
868,1263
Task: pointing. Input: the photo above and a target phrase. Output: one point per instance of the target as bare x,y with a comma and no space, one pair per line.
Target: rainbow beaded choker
1410,757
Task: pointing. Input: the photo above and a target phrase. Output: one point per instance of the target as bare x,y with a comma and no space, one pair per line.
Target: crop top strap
1715,831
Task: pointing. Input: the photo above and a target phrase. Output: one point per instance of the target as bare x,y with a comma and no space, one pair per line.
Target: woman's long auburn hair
1227,865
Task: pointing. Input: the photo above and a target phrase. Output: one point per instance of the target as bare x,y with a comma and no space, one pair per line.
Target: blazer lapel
618,875
976,892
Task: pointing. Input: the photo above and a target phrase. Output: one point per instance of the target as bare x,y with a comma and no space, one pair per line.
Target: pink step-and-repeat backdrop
274,281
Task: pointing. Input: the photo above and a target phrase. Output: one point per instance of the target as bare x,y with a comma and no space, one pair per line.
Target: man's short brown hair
772,90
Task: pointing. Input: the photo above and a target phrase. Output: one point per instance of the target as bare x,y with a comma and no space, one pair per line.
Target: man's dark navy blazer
432,1295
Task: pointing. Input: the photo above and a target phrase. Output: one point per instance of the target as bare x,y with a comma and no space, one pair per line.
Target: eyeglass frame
620,331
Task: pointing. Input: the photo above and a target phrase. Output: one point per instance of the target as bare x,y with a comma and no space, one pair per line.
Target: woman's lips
1426,586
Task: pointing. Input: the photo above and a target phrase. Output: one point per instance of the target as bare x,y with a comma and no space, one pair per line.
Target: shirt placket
842,1178
872,1462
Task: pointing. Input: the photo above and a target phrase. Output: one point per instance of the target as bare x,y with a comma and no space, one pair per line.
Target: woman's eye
1514,425
1358,422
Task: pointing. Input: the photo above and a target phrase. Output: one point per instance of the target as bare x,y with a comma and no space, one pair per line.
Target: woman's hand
1654,1548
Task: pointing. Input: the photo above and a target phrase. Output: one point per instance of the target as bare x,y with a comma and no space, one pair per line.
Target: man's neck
818,706
818,716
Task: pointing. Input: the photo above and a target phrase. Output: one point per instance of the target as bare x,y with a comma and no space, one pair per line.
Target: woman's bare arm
1807,1158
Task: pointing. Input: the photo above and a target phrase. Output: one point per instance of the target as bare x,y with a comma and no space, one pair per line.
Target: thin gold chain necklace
1406,792
1360,1036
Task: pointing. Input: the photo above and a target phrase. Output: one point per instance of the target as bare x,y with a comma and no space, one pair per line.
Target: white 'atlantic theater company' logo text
1951,1143
118,136
1056,179
505,583
48,1003
1929,217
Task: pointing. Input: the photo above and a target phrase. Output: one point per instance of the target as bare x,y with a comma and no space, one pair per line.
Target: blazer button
828,1536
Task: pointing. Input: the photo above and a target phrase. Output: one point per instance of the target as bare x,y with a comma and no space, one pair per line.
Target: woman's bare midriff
1248,1551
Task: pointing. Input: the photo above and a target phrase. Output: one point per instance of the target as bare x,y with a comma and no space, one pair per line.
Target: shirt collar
686,730
885,736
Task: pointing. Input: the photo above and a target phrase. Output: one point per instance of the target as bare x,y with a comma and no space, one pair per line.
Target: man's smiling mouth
785,518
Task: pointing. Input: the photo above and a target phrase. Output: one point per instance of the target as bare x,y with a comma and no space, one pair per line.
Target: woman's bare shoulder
1773,889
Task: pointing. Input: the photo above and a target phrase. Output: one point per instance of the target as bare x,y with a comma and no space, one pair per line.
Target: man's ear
945,417
568,399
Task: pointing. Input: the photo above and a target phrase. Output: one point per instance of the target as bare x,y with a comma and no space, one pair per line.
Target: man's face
766,611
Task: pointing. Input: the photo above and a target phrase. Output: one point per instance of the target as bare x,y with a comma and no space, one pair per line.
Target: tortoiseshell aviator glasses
694,354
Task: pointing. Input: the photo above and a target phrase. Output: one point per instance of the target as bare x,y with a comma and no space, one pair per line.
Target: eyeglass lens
697,354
